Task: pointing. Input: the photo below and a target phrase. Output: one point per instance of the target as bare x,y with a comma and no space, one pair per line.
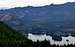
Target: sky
23,3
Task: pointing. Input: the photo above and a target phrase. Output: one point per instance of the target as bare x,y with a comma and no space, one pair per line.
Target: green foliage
10,38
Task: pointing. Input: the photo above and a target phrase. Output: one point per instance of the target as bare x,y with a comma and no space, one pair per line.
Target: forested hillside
10,38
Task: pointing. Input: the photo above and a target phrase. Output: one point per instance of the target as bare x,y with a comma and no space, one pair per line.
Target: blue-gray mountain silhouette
51,19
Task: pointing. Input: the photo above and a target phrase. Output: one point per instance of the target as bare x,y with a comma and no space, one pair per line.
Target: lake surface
71,40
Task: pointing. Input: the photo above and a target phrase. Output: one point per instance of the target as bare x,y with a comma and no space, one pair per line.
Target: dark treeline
47,44
29,43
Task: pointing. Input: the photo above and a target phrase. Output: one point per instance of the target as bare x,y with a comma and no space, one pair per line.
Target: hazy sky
22,3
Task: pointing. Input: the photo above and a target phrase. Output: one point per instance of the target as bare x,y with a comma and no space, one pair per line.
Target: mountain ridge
42,6
51,18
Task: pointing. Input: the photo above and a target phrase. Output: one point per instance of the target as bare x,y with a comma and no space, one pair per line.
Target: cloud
23,3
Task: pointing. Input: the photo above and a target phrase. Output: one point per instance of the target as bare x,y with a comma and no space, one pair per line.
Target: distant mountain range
50,19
